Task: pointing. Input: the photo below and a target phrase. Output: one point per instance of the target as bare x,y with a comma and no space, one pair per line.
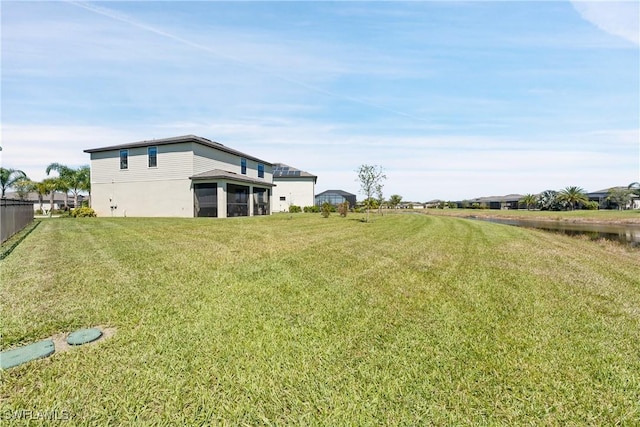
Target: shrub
312,209
295,209
83,212
326,209
343,208
592,205
38,212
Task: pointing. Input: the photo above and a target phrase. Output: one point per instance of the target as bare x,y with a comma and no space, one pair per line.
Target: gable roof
222,174
282,171
177,140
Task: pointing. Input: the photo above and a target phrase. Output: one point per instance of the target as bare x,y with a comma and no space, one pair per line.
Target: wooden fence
14,216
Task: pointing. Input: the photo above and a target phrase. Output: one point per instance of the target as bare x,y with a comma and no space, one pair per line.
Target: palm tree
52,185
74,180
8,177
42,189
573,196
529,200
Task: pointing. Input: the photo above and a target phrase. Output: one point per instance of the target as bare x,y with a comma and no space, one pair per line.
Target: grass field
296,319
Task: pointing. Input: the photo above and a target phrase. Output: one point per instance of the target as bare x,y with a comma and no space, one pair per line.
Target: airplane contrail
126,19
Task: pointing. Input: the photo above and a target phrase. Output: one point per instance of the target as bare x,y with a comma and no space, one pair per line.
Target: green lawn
297,319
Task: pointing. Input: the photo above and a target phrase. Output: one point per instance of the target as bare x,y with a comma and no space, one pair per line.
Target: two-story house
184,176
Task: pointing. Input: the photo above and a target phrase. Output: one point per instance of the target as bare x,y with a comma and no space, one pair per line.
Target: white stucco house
184,176
293,187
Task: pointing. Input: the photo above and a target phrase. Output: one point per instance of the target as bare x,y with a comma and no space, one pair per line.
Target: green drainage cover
84,336
18,356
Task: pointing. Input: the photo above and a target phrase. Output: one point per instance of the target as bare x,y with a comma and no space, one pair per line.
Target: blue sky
453,99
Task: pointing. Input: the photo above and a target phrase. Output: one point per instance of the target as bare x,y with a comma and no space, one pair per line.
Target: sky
454,100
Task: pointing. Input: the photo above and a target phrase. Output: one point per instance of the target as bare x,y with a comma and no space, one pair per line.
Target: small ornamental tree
370,178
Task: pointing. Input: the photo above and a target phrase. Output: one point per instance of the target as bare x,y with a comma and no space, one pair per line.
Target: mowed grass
297,319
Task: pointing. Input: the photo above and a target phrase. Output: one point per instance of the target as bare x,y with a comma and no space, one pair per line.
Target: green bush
295,209
312,209
83,212
592,205
326,209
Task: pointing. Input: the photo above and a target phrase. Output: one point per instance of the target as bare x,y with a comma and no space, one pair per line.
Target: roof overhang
229,176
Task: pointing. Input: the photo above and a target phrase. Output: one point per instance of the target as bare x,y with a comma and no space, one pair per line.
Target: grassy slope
596,216
411,319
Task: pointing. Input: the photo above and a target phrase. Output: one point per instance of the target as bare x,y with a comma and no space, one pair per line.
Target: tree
548,200
43,188
573,196
74,180
395,200
23,187
635,188
529,200
619,196
9,177
51,185
370,178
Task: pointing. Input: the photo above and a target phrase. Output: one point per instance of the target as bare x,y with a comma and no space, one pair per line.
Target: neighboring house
58,200
335,197
602,197
184,176
293,187
510,201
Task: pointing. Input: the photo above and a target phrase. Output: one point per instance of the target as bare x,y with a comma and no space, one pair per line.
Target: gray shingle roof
177,140
221,174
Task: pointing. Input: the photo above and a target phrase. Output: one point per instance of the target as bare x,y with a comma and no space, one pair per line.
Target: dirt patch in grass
61,345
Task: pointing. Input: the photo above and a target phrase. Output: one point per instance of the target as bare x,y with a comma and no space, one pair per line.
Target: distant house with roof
184,176
335,197
602,198
510,201
292,187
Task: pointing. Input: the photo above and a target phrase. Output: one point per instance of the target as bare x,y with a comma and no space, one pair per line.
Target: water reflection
625,233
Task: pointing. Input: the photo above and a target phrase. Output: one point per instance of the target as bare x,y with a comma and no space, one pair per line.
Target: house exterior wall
207,158
140,190
164,190
295,191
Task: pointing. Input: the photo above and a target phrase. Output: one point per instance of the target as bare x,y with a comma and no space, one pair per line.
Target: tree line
69,180
571,198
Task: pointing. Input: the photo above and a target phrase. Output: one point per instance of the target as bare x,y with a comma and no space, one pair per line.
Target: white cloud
620,18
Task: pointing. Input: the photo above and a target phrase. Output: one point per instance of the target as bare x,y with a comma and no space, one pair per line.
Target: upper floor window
260,170
243,166
152,152
124,159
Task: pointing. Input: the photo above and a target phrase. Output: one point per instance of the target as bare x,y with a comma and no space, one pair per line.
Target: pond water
625,233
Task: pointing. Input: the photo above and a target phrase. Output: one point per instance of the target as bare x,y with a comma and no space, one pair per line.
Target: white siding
296,191
164,190
207,158
169,198
175,161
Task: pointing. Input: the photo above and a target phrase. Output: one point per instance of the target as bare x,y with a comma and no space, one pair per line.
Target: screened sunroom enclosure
225,198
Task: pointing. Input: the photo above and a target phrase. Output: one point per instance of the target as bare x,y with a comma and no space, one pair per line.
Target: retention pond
624,233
